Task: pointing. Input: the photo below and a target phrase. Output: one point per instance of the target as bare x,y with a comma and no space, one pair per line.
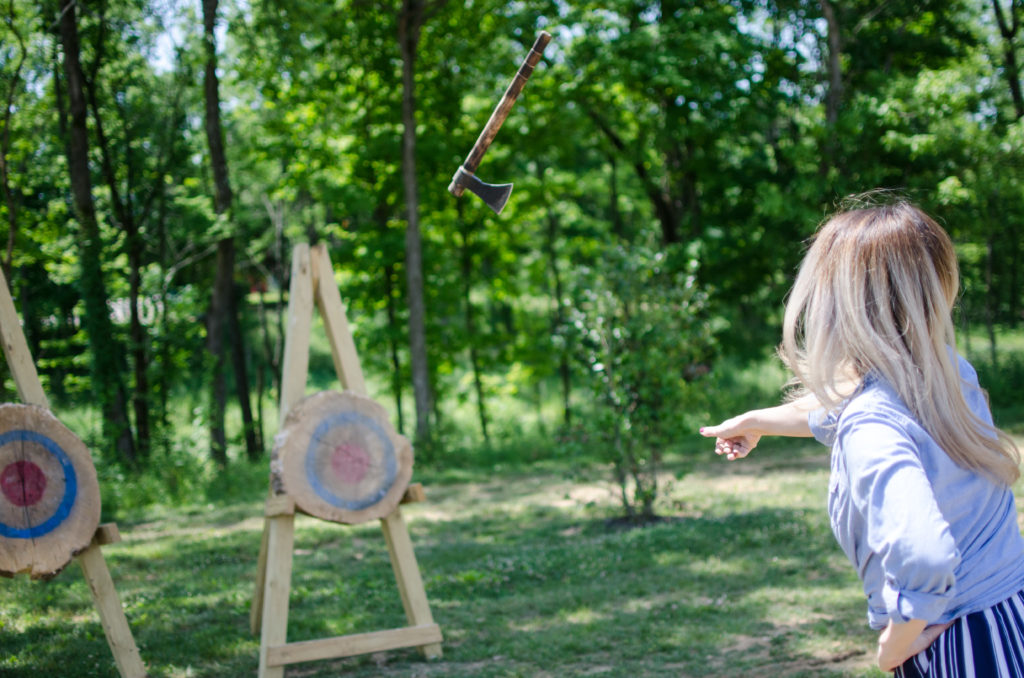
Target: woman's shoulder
967,372
876,402
974,395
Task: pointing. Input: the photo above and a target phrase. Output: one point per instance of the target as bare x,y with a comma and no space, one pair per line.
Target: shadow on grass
535,591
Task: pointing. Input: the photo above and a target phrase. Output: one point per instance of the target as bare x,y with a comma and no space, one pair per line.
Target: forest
160,160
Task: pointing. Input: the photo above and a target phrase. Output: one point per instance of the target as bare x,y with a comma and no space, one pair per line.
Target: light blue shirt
930,540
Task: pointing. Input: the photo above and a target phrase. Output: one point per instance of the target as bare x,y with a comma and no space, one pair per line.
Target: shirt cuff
823,425
902,606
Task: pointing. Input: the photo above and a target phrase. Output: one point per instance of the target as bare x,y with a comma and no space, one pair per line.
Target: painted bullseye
25,489
349,461
23,483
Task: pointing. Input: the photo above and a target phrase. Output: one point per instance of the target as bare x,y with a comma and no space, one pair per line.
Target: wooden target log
49,493
340,459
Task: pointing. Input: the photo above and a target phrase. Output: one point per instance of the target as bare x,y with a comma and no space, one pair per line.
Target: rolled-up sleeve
822,423
904,525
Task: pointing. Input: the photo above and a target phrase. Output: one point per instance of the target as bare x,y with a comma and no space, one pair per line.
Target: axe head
494,195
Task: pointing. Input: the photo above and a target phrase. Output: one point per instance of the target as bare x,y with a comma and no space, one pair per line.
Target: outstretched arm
736,437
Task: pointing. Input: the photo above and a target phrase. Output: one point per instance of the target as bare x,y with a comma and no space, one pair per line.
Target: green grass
525,569
525,574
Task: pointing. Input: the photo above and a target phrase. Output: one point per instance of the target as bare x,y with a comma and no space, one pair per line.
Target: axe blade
494,195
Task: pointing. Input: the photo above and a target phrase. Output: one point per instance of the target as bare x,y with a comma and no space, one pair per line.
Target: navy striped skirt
985,644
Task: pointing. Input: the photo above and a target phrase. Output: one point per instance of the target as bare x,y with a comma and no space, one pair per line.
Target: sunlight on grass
523,575
525,569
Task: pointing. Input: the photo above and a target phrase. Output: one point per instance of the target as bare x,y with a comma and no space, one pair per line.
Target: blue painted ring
390,461
70,486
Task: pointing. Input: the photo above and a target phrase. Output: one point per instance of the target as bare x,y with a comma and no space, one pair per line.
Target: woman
919,495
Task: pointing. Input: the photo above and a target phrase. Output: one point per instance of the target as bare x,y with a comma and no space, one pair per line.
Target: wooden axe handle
504,106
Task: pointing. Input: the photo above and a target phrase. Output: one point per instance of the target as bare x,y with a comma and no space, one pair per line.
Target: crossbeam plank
349,646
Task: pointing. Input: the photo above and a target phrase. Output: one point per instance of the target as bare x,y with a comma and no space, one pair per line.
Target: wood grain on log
340,459
49,493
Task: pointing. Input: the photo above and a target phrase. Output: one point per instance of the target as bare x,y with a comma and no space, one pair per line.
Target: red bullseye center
23,483
350,463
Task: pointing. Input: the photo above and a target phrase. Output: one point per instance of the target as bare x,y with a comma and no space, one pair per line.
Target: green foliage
706,131
640,327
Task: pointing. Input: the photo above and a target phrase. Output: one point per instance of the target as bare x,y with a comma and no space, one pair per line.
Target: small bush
643,339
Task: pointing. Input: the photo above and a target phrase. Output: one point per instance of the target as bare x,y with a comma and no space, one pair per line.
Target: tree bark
558,319
125,215
224,272
834,96
253,439
222,305
273,348
990,301
103,345
665,208
835,75
396,363
474,357
614,215
5,144
410,22
216,327
1008,29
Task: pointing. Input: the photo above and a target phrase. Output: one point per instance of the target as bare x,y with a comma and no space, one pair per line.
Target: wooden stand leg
407,575
256,611
115,625
274,632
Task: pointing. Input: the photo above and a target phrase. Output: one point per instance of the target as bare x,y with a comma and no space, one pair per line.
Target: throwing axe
496,195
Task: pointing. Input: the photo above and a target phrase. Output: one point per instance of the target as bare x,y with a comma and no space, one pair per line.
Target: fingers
732,439
927,637
732,448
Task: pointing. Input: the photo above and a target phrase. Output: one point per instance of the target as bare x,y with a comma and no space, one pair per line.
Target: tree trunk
1008,29
1013,292
834,97
253,439
162,347
273,348
5,144
614,215
558,316
139,344
104,349
990,301
125,214
664,206
215,330
410,21
396,363
474,358
222,305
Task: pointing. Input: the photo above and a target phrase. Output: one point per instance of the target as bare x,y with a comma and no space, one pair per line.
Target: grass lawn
525,575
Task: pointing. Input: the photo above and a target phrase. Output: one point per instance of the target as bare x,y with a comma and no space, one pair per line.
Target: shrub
639,330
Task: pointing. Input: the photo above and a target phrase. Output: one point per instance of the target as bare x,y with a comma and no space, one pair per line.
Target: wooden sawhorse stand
94,567
312,282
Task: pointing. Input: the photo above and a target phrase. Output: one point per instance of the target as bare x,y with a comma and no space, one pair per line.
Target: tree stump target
340,459
49,492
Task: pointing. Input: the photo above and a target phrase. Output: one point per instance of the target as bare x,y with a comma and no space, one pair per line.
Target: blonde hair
874,294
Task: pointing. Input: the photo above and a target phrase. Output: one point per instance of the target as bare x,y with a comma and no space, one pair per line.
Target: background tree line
160,159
